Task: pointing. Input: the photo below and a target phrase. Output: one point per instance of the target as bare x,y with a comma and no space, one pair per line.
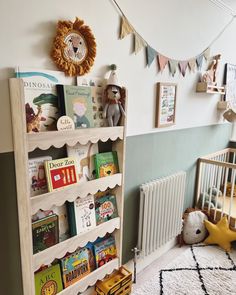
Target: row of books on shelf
82,164
50,227
66,271
47,98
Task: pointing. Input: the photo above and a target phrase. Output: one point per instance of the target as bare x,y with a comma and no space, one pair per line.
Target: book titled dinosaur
41,101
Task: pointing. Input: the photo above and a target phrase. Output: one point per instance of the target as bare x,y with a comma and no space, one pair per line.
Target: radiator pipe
136,251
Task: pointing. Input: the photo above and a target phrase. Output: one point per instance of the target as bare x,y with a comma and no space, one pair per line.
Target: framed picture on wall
166,104
230,83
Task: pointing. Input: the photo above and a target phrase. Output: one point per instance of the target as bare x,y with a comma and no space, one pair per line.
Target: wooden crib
216,188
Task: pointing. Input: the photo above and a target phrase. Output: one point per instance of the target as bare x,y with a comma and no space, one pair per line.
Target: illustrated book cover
84,155
82,215
48,281
106,164
105,208
63,220
37,176
104,251
97,92
45,233
76,103
41,101
75,266
60,172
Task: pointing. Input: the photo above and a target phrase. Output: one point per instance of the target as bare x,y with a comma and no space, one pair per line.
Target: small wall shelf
209,88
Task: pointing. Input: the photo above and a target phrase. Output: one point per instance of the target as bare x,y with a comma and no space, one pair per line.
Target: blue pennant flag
199,61
151,55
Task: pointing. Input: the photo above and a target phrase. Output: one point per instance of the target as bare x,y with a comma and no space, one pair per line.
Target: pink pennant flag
192,64
162,61
183,67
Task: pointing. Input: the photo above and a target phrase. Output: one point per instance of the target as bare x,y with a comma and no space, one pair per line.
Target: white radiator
160,213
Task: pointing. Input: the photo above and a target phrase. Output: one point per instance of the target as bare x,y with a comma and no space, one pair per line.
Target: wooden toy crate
117,283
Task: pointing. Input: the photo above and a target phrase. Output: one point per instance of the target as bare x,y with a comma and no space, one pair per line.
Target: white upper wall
177,29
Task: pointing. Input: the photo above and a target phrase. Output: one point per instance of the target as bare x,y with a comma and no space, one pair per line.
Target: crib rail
216,189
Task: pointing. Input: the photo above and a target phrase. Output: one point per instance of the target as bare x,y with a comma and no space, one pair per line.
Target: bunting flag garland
126,28
139,42
162,61
173,66
151,55
183,67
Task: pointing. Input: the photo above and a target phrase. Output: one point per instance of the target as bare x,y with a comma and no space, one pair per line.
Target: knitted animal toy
213,191
114,95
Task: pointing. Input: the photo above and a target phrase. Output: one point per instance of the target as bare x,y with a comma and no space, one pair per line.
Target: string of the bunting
151,54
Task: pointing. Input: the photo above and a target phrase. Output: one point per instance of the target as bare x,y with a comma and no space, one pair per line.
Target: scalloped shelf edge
91,278
71,193
70,245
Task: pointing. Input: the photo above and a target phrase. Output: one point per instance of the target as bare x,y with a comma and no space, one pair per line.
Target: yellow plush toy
220,234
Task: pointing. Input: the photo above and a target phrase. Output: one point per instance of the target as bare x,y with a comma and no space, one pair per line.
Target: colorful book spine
61,173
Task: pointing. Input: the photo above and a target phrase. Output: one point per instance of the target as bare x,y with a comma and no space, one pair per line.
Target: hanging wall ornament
183,67
74,48
192,64
139,43
125,28
151,55
199,61
173,66
206,53
162,61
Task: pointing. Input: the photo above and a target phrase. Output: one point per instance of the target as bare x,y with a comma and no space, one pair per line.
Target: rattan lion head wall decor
74,47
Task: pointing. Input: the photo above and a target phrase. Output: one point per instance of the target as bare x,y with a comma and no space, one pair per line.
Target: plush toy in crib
114,96
213,191
194,230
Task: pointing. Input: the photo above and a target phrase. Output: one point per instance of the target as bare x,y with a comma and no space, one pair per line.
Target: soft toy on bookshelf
114,96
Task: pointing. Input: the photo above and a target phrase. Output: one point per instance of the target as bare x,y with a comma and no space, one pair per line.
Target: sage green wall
159,154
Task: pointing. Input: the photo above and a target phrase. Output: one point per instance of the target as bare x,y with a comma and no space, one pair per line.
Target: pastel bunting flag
173,66
151,55
126,28
199,61
139,43
183,67
162,61
192,64
206,53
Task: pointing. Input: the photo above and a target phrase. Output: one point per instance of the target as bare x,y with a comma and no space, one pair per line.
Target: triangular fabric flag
206,53
199,61
162,61
183,66
192,64
139,43
151,55
173,66
126,28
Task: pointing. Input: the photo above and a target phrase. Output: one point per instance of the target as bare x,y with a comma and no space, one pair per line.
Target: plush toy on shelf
114,96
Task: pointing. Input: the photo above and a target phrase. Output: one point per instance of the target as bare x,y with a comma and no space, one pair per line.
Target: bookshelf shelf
59,250
45,140
91,279
27,142
70,193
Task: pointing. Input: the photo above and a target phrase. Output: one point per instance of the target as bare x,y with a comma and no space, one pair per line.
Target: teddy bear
213,191
114,96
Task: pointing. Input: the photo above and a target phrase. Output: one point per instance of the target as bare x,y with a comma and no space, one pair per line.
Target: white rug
200,270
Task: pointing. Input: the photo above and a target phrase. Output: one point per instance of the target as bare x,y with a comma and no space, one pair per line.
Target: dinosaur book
60,173
84,155
41,101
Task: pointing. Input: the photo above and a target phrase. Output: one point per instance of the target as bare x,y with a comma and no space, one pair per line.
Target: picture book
60,172
97,89
104,251
82,215
84,155
45,233
105,208
106,164
75,266
90,249
41,101
48,281
76,103
37,177
63,223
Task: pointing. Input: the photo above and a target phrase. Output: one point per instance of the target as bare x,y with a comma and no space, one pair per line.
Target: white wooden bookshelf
27,142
